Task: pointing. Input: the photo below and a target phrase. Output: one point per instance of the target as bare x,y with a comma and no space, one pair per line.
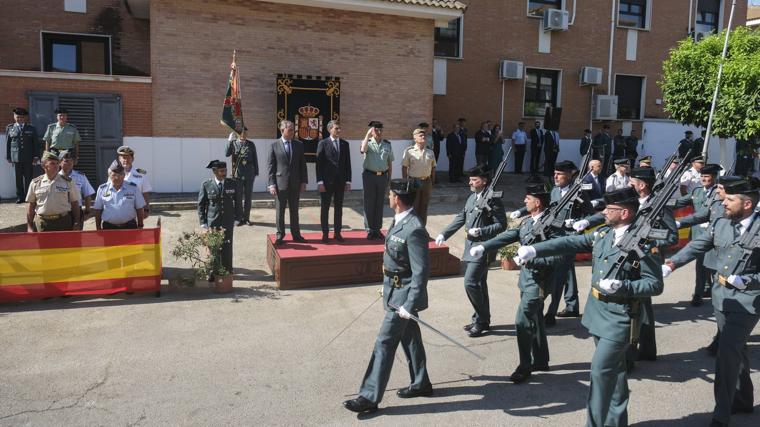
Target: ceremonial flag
232,111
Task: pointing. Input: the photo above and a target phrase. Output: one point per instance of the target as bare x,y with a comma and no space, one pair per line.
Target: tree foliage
689,77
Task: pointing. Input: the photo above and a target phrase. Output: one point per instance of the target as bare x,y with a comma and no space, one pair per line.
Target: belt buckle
378,173
723,280
395,281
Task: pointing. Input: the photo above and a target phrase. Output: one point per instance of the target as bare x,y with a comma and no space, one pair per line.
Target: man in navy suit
287,179
594,178
456,145
333,177
537,136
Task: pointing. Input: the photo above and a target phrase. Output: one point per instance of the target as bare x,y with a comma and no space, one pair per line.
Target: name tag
397,239
230,191
129,196
61,189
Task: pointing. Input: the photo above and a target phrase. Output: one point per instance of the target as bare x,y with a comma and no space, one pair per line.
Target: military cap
723,180
623,196
20,111
698,159
402,186
375,124
423,125
688,132
742,186
644,173
418,130
67,154
646,159
125,150
49,155
216,164
565,166
60,110
537,190
710,169
481,171
116,167
622,162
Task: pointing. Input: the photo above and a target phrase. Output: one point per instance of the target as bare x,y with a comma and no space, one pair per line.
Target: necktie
335,144
287,149
737,230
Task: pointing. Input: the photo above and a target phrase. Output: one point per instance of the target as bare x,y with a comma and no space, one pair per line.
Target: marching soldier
68,161
735,295
53,200
139,176
613,312
119,203
246,161
21,150
418,165
218,206
405,267
479,226
535,282
62,135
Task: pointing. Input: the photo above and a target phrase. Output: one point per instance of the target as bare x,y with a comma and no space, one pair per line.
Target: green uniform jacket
406,250
219,207
572,210
537,273
490,224
700,200
720,236
611,320
21,146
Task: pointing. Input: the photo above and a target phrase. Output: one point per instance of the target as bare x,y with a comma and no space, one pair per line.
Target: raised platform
357,260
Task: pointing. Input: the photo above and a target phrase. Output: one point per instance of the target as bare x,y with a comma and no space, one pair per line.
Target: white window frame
647,18
721,9
461,42
643,103
42,48
562,6
525,84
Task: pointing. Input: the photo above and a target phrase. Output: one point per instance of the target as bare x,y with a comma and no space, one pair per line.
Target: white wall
7,175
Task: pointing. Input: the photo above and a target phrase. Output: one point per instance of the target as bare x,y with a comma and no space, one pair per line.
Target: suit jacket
455,145
490,224
585,145
536,138
218,207
287,172
482,143
21,146
611,320
597,186
333,168
602,144
550,145
406,250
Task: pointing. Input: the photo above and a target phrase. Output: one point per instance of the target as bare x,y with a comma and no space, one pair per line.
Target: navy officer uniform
218,206
405,269
479,226
118,206
22,149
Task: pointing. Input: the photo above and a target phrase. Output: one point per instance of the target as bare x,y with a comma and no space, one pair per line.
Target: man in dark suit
594,178
437,134
536,144
551,150
483,144
333,177
602,146
585,142
22,151
455,149
287,179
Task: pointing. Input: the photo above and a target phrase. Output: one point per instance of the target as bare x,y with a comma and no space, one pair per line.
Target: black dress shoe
279,241
406,393
240,223
339,237
549,320
360,404
647,357
380,235
566,313
371,235
519,376
737,408
696,301
477,330
540,368
716,423
712,348
325,238
299,239
468,327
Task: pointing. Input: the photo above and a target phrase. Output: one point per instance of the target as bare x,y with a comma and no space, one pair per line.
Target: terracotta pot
509,264
223,284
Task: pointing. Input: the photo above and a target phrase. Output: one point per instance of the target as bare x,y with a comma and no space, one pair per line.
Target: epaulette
142,171
132,183
39,178
65,178
103,185
72,125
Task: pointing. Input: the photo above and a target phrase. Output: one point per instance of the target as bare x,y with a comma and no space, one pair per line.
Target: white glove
526,253
518,260
610,286
666,271
477,251
678,224
704,225
439,240
569,222
474,232
514,215
402,313
581,225
737,282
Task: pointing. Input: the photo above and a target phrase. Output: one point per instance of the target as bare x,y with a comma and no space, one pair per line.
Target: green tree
689,76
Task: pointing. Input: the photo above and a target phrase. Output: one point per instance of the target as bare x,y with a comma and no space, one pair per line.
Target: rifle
661,174
748,243
483,204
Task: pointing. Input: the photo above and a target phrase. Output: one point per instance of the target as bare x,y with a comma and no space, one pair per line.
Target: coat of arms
308,123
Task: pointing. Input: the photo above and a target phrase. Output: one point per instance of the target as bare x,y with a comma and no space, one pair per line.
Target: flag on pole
232,111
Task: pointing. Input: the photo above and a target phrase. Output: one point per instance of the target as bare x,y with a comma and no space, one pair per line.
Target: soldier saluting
218,206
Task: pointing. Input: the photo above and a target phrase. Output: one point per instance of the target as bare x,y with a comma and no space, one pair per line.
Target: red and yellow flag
232,110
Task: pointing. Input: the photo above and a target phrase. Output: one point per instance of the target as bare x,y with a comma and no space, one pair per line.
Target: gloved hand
514,215
610,286
526,253
678,224
666,270
704,225
474,232
581,225
439,240
477,251
737,282
402,313
518,261
569,222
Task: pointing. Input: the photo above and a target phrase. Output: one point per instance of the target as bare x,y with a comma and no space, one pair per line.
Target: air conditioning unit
605,107
591,76
511,70
556,20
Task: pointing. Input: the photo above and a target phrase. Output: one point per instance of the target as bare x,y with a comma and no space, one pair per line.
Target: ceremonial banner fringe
41,265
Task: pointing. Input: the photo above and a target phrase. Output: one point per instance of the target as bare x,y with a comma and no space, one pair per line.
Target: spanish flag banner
232,110
41,265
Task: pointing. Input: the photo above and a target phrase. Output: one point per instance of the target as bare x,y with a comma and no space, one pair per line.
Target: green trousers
531,332
732,382
607,404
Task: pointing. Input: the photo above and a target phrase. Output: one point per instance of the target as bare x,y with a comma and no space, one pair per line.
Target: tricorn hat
623,196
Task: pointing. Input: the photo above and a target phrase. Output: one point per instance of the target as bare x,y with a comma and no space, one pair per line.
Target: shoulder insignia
65,178
103,185
39,178
142,171
132,183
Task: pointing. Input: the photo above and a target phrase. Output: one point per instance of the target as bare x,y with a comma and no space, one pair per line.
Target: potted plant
204,252
506,253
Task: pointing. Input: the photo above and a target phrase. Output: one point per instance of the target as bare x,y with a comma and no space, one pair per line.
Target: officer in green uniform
612,313
536,278
246,168
378,168
21,150
218,206
62,135
479,226
53,199
405,267
735,294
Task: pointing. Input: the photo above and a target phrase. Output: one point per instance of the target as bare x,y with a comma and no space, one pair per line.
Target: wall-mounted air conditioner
556,20
605,107
510,70
591,76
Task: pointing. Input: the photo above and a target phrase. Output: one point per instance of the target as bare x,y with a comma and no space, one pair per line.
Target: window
75,53
708,14
629,90
448,40
632,13
537,7
541,91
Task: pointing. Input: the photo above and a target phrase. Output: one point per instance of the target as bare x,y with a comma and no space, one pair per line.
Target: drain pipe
612,44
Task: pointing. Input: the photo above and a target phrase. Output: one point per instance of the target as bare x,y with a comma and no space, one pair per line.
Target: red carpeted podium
357,260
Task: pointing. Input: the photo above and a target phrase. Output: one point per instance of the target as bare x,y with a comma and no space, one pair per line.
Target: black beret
643,173
565,166
60,111
623,196
480,170
722,180
742,186
402,186
20,111
622,162
116,167
423,125
688,132
537,190
710,169
375,124
216,164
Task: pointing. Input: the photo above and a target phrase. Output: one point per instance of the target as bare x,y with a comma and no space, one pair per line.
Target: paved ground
259,356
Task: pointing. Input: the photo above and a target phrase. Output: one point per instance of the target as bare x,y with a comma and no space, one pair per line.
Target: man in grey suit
333,178
405,267
479,226
287,179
